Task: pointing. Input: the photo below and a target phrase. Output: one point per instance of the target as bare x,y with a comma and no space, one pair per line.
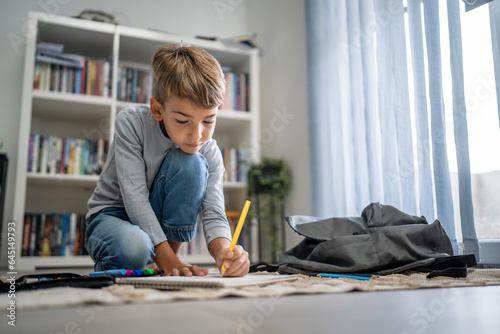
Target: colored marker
353,276
113,272
148,272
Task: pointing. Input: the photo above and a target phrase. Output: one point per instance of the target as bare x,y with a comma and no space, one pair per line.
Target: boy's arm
131,174
237,262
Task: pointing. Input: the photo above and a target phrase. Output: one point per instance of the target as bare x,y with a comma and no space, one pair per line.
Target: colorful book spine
237,95
134,84
56,155
93,77
236,164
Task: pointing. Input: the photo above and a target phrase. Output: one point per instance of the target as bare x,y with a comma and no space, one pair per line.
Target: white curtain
367,143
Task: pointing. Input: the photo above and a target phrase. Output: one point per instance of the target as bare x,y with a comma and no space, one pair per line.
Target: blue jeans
176,195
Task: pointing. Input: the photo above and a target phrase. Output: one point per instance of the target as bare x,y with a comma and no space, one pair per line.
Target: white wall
281,32
280,28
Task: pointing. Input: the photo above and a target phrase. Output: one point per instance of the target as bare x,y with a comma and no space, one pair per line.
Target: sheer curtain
368,142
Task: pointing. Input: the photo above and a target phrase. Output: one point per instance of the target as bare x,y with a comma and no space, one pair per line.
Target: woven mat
120,294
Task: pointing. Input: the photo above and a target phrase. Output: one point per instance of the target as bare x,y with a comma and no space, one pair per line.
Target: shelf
63,180
70,106
234,115
83,37
67,115
229,121
138,46
235,185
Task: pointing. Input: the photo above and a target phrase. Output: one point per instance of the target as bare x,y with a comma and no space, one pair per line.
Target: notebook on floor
210,281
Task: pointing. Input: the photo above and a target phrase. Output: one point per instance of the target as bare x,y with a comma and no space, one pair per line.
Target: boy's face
187,125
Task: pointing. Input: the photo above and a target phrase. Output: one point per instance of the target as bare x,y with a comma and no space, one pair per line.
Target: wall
280,29
281,32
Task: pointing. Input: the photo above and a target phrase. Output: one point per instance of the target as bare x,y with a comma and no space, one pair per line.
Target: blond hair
187,72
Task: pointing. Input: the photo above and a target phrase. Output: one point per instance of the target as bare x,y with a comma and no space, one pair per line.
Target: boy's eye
208,122
181,122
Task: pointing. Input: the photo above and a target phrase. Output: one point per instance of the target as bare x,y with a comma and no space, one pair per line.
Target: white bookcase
88,116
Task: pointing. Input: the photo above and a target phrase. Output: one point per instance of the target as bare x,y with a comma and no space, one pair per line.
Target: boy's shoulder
134,119
139,111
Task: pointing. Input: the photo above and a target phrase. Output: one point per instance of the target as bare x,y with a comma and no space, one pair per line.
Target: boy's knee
136,251
189,163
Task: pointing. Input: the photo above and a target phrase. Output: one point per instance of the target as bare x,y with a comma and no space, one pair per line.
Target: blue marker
354,276
137,272
114,272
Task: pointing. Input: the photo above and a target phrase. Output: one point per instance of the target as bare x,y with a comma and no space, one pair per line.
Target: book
74,156
212,281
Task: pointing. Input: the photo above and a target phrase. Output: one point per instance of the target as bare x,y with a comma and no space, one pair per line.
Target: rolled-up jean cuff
180,234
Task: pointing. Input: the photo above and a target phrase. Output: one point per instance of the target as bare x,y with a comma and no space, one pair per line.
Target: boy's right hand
185,269
167,260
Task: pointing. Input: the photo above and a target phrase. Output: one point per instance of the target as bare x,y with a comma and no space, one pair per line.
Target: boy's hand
167,260
185,269
237,263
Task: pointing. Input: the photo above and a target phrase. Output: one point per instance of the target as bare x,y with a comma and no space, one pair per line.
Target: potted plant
268,183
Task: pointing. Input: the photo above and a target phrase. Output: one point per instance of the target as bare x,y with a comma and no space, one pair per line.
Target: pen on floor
113,272
353,276
237,232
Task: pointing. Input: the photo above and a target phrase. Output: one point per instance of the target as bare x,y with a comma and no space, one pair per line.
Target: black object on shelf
3,182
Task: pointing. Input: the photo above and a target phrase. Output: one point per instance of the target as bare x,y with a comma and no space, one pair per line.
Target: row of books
237,92
56,71
93,78
53,234
56,155
135,84
236,162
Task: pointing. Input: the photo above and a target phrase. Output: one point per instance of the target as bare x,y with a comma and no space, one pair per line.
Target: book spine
105,77
44,154
34,223
25,248
53,234
56,155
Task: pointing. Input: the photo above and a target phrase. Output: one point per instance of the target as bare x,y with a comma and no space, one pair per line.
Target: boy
163,168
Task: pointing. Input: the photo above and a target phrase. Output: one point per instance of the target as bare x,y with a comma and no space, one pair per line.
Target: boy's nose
196,132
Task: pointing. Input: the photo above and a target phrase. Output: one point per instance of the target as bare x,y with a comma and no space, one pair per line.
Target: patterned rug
120,294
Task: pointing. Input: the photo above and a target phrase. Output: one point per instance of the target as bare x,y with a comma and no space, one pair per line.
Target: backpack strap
263,266
451,266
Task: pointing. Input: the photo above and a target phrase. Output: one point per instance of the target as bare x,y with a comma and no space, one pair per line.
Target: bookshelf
68,114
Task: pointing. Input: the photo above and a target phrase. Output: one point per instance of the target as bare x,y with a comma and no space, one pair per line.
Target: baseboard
489,251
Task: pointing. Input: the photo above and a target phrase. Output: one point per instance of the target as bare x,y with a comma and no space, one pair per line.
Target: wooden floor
457,310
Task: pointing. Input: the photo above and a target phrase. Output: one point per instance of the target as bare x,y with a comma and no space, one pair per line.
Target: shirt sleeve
131,174
215,224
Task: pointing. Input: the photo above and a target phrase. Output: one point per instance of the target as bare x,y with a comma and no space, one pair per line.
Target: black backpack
384,240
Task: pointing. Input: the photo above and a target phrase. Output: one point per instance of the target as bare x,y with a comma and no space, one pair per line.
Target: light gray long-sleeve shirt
134,158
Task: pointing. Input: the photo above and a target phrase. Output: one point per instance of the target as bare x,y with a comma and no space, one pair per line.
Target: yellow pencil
237,232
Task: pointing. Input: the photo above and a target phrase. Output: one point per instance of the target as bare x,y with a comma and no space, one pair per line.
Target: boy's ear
156,109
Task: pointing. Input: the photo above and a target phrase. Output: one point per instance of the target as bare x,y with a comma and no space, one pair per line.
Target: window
482,120
482,117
